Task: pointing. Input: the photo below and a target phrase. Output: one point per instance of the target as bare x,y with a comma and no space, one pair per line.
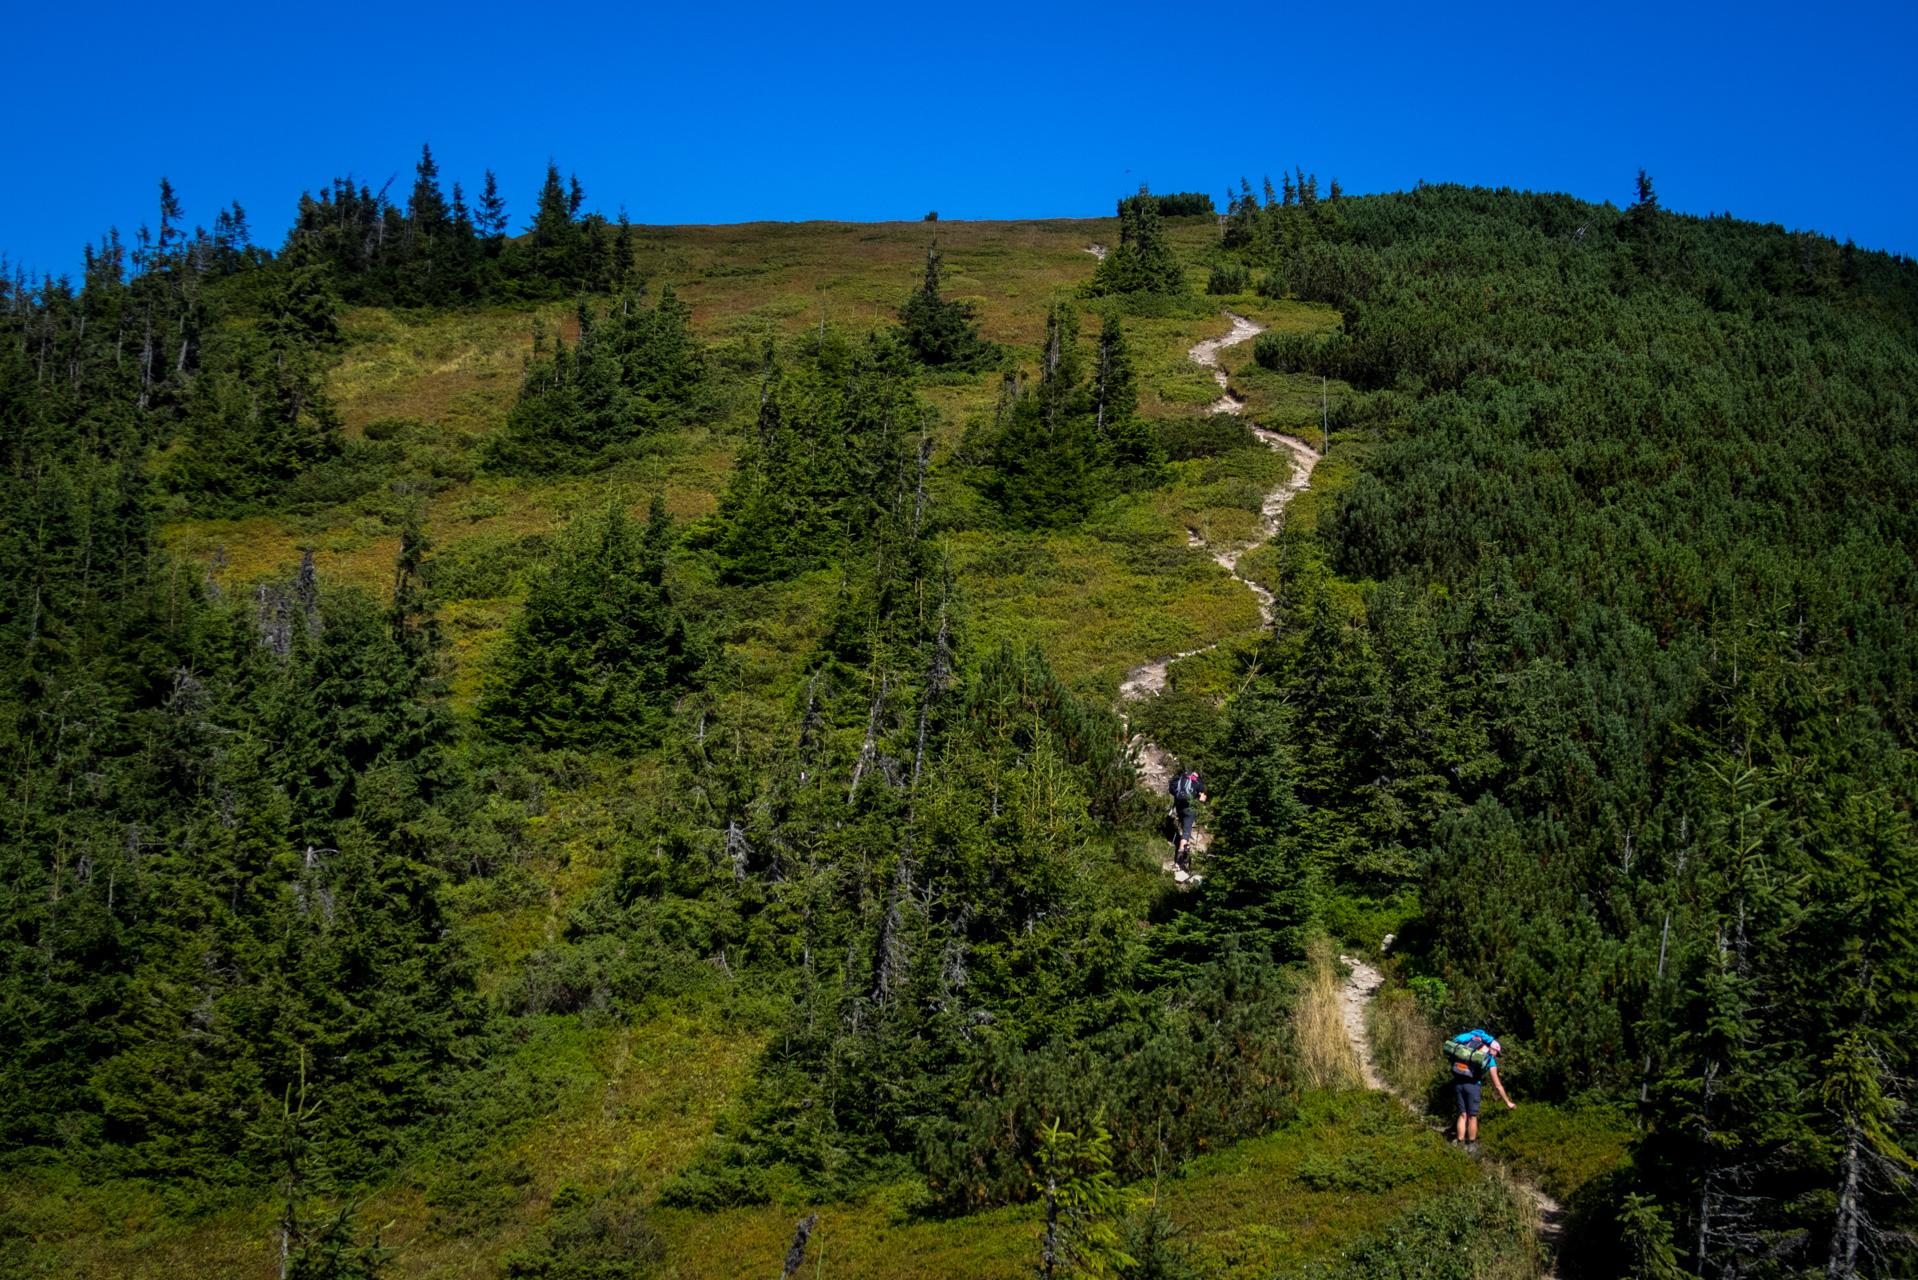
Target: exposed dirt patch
1207,354
1359,990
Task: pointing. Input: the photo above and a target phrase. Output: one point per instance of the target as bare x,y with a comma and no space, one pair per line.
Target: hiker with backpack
1187,789
1473,1056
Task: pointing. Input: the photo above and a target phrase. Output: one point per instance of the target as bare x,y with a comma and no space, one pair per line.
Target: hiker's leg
1467,1097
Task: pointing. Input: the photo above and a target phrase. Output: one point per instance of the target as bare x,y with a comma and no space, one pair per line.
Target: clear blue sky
745,111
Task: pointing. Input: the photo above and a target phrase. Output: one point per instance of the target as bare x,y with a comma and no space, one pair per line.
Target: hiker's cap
1497,1048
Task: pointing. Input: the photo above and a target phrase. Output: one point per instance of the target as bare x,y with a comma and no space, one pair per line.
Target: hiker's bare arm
1500,1086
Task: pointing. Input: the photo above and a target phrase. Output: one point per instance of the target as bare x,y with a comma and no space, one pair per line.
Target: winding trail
1361,988
1155,763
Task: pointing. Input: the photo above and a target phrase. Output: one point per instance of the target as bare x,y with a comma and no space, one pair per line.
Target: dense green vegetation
1625,689
1592,677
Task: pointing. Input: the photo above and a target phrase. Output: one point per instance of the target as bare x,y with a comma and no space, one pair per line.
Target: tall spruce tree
1143,261
600,651
825,455
943,333
631,375
1044,464
1128,444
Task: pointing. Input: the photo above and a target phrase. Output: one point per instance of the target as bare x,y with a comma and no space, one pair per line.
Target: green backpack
1470,1057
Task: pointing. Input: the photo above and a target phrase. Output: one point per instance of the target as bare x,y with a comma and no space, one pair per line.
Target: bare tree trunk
796,1252
919,506
933,677
1050,1258
1843,1263
894,955
872,733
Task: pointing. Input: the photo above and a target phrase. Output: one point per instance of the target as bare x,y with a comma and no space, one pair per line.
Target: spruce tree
492,209
600,651
630,375
1044,463
823,460
1144,261
1129,444
943,333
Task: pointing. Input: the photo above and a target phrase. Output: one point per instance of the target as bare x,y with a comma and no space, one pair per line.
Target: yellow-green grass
1075,598
637,1102
460,372
1267,1205
641,1101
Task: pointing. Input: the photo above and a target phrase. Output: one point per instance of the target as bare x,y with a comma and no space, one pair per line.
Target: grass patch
1094,605
1562,1149
1405,1044
613,1109
1347,1166
1326,1057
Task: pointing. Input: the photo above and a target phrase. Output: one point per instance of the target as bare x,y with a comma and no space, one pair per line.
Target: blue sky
728,113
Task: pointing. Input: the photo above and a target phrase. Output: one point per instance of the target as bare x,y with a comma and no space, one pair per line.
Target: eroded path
1207,354
1360,989
1155,763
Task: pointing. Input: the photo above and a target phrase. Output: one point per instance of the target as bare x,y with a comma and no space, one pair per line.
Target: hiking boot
1471,1148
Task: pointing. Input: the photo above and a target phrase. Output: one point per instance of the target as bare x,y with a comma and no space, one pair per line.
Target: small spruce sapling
1084,1203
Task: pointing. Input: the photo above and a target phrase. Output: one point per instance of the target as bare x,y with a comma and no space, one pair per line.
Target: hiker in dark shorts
1187,789
1473,1057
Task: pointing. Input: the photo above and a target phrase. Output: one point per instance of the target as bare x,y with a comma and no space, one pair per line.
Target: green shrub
1186,724
1359,1170
1203,435
607,1237
485,566
1230,277
1563,1149
1470,1233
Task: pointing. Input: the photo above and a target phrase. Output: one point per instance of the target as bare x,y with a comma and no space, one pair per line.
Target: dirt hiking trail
1360,989
1155,763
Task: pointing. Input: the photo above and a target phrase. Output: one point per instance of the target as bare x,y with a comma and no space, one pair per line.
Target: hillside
565,755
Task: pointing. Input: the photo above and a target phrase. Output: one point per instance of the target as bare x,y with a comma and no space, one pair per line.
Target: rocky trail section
1206,354
1155,763
1361,988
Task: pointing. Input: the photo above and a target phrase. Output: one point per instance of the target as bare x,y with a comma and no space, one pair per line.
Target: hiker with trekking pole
1473,1056
1188,789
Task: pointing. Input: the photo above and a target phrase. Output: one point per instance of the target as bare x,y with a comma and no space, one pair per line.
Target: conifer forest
540,746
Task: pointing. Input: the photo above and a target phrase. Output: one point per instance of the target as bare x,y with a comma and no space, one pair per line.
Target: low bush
1230,277
1203,436
1481,1231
